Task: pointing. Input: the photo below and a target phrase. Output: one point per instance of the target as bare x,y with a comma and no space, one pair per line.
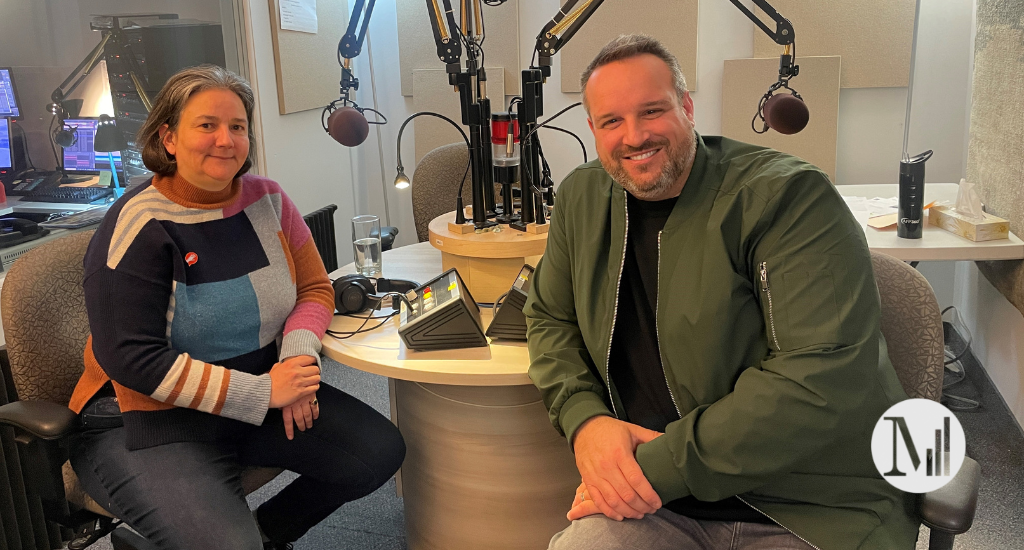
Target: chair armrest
951,508
40,419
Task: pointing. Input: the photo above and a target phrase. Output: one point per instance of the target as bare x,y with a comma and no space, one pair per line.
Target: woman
207,301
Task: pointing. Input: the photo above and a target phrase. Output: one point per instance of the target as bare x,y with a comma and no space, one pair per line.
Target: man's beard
679,161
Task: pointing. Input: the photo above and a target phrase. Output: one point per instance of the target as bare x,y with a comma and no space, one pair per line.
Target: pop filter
786,113
348,126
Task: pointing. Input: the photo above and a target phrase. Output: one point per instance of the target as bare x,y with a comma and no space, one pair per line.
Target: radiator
321,225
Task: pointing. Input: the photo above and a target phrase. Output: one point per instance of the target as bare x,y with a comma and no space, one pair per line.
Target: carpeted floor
994,439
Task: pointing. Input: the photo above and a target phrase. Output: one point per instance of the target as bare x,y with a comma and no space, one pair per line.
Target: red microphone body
348,126
786,113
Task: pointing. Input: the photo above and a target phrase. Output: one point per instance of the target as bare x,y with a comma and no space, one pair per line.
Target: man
704,329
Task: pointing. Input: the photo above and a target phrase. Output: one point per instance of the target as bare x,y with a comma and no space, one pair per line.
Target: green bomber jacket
768,324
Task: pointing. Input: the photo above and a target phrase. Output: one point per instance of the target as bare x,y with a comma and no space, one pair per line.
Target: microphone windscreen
64,138
786,113
348,126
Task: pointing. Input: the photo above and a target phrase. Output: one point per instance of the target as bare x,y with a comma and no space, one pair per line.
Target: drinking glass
366,245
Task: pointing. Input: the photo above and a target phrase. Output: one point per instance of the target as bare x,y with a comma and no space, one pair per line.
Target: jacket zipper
657,333
615,313
767,290
758,510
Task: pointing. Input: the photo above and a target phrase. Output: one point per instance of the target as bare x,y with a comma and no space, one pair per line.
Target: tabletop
381,351
936,244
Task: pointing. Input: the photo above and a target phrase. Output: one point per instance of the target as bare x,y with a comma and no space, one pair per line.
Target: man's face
643,130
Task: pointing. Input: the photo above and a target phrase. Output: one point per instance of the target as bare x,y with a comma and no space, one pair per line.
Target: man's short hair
632,45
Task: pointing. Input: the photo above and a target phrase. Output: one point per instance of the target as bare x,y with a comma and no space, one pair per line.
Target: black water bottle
911,206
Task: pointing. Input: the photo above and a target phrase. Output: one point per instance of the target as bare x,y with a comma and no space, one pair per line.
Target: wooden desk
484,467
936,244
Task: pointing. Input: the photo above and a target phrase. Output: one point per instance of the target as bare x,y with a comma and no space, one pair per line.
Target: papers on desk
880,212
100,180
872,207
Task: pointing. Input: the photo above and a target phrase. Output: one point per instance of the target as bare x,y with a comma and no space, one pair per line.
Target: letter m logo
899,425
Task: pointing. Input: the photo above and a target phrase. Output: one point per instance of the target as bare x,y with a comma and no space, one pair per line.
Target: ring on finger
315,402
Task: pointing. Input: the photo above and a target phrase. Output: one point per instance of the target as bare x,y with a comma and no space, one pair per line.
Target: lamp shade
108,137
91,98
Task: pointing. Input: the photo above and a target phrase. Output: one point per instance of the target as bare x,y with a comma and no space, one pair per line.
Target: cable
24,142
500,300
348,334
580,141
343,334
53,147
553,117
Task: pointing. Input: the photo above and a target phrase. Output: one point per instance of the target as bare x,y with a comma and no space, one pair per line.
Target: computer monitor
8,95
6,158
80,156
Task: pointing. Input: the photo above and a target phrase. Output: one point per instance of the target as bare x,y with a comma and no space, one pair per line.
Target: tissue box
988,229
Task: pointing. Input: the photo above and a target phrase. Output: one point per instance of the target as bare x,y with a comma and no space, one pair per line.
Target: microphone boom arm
350,45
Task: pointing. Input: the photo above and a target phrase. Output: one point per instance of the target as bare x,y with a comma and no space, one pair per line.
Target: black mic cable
402,181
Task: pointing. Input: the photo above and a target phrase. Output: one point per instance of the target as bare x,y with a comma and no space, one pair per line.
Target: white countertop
936,244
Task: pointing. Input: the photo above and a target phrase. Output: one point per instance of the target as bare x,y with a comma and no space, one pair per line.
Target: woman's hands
294,382
302,413
293,379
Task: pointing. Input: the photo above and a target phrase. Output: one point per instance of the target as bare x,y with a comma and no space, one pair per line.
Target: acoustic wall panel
746,80
416,48
874,37
307,64
995,158
431,92
673,22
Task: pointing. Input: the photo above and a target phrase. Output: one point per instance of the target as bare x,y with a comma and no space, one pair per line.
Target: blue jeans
664,530
189,495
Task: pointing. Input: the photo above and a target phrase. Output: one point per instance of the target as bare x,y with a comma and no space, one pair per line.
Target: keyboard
78,219
33,181
72,195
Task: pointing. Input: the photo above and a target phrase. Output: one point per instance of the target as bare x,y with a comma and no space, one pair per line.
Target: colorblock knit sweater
192,297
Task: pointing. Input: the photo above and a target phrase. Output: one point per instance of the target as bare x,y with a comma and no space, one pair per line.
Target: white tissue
968,203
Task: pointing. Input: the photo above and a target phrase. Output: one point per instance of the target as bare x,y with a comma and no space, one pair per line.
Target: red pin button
191,258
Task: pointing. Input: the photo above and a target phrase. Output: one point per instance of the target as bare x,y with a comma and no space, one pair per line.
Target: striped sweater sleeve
127,307
314,304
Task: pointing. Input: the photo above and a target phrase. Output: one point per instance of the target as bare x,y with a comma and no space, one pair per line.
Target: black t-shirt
635,362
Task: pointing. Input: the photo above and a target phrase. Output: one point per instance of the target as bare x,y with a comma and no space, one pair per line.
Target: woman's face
211,142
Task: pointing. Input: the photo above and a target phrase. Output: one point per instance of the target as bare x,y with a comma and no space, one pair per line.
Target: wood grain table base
488,261
484,469
487,278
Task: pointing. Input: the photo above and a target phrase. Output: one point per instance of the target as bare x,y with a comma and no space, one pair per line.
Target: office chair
912,326
45,323
435,184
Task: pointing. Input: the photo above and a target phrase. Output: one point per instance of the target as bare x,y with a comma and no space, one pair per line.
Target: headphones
355,293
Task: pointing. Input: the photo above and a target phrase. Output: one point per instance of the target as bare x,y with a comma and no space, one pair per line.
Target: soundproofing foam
673,22
995,157
746,80
874,37
431,92
417,50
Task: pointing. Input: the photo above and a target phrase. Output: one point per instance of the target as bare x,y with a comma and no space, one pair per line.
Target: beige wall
991,294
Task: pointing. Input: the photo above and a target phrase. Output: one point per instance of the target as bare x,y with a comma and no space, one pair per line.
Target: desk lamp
109,139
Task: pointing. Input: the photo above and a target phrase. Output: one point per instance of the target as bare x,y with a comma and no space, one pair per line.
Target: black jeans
189,496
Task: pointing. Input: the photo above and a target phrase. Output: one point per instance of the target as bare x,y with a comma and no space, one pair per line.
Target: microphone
65,136
786,113
348,126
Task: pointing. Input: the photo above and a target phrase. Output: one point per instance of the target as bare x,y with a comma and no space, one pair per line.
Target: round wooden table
484,467
488,261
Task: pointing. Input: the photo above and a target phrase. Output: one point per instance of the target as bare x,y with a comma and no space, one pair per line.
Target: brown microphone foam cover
348,126
786,113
